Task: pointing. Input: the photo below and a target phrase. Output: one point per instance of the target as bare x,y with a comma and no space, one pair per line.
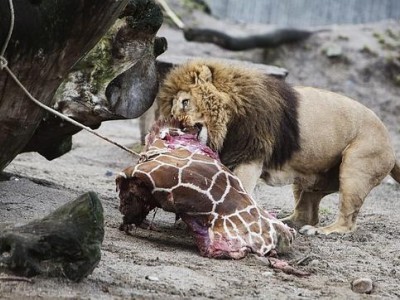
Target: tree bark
48,39
117,79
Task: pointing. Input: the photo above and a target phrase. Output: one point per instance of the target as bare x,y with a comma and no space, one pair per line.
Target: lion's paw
309,230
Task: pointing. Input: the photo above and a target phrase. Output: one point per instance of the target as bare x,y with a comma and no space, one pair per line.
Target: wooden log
66,243
52,138
166,62
274,38
117,79
48,39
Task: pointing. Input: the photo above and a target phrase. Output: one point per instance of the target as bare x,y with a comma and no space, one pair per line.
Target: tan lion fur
319,141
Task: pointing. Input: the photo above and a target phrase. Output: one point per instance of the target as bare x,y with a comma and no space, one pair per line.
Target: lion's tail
395,173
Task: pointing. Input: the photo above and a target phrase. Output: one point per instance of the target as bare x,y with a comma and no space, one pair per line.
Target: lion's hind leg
350,205
360,171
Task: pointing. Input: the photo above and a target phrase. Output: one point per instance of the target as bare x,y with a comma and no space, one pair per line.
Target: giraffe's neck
182,175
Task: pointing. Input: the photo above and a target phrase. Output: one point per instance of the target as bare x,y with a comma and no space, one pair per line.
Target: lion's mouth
202,133
198,126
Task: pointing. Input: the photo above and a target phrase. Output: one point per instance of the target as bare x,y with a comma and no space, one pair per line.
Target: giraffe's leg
362,168
248,174
306,207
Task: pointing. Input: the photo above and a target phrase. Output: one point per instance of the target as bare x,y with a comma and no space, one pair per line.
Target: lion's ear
204,75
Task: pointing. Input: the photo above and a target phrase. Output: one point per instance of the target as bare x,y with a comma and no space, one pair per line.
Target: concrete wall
303,13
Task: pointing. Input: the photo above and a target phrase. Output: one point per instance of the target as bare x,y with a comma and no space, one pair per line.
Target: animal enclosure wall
302,13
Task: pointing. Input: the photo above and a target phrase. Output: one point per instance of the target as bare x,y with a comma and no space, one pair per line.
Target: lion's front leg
248,174
306,208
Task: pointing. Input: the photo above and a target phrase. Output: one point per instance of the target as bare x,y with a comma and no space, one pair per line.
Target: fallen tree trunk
117,79
270,39
48,39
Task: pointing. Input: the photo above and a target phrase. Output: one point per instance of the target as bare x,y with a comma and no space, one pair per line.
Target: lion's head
247,115
188,94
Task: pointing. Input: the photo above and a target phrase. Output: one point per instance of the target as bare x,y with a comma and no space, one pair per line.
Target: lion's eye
185,104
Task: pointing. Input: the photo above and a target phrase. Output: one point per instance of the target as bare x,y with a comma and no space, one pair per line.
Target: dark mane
288,138
275,116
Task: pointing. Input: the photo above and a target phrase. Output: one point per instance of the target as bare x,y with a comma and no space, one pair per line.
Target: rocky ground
360,61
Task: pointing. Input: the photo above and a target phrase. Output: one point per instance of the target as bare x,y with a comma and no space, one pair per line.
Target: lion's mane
250,116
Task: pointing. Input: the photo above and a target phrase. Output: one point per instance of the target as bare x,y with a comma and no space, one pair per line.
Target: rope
10,31
4,66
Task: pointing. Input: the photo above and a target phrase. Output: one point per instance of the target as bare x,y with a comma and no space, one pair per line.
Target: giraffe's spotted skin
181,175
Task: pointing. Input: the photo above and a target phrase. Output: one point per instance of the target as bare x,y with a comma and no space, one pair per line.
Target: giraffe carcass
181,175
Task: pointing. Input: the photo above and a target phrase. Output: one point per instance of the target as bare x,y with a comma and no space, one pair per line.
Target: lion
318,141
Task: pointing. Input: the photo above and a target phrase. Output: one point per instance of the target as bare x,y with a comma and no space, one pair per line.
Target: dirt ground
165,264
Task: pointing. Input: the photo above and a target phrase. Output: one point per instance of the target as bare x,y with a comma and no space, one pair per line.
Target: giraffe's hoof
309,230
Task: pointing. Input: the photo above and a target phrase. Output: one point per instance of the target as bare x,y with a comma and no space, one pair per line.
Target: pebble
152,278
333,50
314,263
362,285
267,273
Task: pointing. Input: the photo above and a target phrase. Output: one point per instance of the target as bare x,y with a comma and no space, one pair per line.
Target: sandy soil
165,264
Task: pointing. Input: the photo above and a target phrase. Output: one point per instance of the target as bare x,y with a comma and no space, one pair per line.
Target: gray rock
333,50
362,285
